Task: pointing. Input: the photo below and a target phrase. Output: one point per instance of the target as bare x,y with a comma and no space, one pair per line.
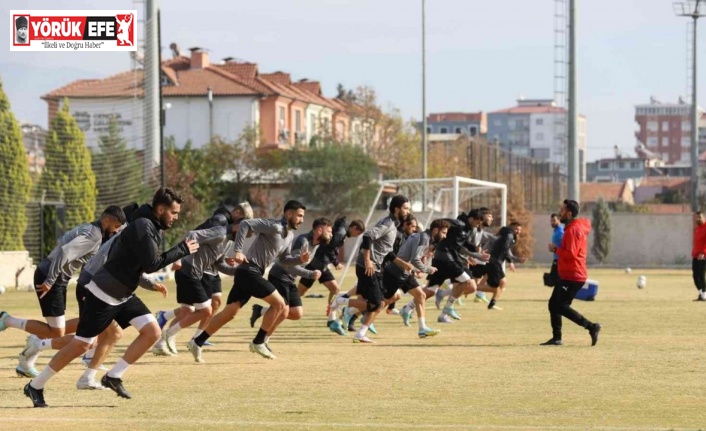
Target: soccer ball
628,270
2,289
641,282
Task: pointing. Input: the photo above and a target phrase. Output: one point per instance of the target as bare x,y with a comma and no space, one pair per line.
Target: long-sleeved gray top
379,240
413,248
73,250
273,239
212,247
301,243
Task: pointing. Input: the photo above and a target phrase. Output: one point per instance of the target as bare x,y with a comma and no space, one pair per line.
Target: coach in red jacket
572,273
698,254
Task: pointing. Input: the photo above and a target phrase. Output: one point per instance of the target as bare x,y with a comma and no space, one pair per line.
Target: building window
282,121
634,165
652,126
459,130
604,166
443,130
665,125
474,131
539,121
665,142
297,121
429,130
686,126
312,124
621,165
652,141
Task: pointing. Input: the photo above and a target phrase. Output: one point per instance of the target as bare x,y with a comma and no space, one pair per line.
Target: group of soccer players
115,253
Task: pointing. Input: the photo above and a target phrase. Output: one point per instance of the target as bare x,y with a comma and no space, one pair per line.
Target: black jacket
501,248
136,251
453,247
329,253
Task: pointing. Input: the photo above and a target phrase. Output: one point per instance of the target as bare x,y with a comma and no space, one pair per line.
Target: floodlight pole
424,106
684,9
573,159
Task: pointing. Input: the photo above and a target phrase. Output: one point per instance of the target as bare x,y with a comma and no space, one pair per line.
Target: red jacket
699,240
574,251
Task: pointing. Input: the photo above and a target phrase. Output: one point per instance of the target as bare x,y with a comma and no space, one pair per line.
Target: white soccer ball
2,289
628,270
641,282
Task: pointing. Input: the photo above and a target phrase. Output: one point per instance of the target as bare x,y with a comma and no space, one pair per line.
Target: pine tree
601,231
68,176
118,172
14,180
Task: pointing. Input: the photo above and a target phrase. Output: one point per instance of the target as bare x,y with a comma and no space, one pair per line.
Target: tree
68,176
14,181
335,178
601,231
118,171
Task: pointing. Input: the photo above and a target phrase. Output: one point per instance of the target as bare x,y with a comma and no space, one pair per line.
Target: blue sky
481,55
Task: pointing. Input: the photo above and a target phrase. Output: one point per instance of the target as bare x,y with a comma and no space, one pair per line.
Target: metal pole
162,111
694,124
152,89
573,168
424,106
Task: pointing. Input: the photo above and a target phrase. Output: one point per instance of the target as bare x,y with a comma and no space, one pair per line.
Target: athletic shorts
212,283
478,271
495,273
287,289
445,270
393,280
190,291
80,297
248,282
326,276
54,302
97,315
370,288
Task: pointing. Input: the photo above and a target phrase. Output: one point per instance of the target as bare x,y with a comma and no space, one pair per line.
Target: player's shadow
59,406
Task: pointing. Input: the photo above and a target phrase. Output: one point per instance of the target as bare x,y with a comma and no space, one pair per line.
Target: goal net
432,199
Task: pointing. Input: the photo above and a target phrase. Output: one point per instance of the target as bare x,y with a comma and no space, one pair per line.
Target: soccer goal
434,198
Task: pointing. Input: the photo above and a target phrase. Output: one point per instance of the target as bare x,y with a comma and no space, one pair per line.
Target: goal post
433,198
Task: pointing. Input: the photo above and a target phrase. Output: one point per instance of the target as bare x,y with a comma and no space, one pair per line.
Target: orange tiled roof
456,116
280,78
665,182
610,192
310,86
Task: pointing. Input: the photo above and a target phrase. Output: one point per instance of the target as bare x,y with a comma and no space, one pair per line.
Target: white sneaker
86,383
444,318
262,350
170,343
160,349
86,361
30,353
364,339
195,350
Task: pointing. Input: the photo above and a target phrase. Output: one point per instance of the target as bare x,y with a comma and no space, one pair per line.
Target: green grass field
484,372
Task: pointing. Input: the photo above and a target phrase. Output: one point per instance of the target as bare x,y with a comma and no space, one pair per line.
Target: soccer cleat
336,327
267,345
552,342
170,342
698,299
495,307
32,346
207,344
459,301
481,299
86,361
372,329
362,340
36,395
29,372
594,331
438,297
161,319
262,350
195,350
428,332
405,316
451,312
444,318
116,385
160,349
86,383
256,313
3,316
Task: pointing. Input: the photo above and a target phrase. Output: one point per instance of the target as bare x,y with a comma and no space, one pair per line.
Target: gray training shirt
382,238
273,239
303,242
73,250
210,255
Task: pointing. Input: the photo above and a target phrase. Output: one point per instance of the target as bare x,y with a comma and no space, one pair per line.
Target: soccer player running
328,254
53,273
110,295
698,254
377,245
572,273
501,252
193,289
284,277
273,239
395,277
